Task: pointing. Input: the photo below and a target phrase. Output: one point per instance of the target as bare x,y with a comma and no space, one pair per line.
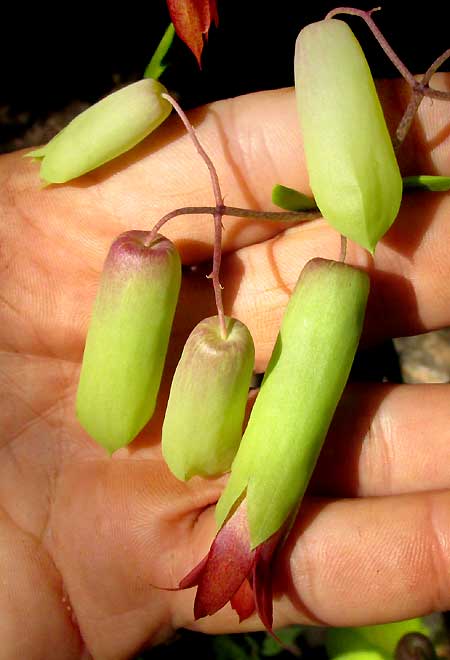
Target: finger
383,440
165,172
426,148
410,286
36,619
359,562
410,283
370,560
386,440
348,562
254,142
119,528
68,229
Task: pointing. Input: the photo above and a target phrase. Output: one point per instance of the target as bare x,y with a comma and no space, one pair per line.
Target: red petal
262,580
193,577
192,19
229,562
262,585
243,601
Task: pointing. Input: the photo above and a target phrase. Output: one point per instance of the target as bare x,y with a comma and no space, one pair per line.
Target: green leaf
427,182
157,65
292,200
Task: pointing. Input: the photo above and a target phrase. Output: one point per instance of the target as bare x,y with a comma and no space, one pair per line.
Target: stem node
420,88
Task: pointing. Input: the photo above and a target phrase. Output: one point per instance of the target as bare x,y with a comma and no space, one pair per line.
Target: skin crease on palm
84,538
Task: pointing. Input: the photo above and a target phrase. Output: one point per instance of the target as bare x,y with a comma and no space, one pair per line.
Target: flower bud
302,385
127,340
104,131
351,163
203,422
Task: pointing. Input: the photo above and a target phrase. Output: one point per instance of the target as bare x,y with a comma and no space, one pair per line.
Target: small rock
425,358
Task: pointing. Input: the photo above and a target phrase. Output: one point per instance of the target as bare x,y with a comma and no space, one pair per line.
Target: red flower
234,572
192,20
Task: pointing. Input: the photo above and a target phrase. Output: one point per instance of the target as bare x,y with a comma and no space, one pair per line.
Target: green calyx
351,162
127,339
104,131
303,383
203,421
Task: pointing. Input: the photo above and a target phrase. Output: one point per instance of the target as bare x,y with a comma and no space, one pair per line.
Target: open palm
85,539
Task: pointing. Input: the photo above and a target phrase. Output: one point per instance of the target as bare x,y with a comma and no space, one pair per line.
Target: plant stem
218,211
416,85
415,101
235,211
217,254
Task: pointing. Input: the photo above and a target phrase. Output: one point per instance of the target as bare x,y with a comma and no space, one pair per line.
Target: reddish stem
280,216
415,101
217,254
217,213
421,88
271,216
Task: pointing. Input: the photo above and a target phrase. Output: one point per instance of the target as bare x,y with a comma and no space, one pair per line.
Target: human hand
84,538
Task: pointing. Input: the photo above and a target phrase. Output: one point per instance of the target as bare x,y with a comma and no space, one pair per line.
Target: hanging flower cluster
357,187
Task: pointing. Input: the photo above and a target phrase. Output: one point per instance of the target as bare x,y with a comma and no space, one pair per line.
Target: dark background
48,58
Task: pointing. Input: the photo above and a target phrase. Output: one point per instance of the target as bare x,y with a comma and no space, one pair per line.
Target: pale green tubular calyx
104,131
127,339
203,422
351,162
303,383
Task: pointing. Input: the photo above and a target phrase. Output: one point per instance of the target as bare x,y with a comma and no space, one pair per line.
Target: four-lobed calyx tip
104,131
234,572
